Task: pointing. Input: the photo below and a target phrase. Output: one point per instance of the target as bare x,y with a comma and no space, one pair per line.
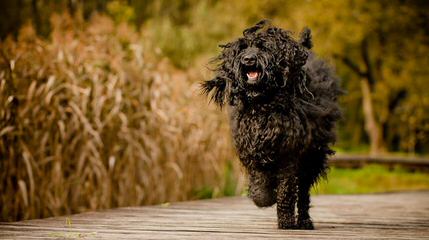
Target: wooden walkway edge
376,216
359,161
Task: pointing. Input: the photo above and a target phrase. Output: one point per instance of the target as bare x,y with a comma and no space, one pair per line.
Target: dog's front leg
262,188
286,199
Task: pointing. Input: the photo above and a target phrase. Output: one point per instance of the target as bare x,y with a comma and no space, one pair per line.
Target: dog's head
264,60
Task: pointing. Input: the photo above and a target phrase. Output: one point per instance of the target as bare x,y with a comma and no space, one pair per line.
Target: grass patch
230,185
371,179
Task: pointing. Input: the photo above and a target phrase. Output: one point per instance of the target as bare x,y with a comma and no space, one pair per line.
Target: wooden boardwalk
377,216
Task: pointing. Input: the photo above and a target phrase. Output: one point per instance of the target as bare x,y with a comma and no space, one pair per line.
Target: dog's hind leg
286,198
303,204
311,169
262,188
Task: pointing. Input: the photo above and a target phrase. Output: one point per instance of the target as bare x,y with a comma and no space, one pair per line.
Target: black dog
282,106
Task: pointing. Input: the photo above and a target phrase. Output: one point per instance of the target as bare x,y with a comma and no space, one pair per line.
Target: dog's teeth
252,75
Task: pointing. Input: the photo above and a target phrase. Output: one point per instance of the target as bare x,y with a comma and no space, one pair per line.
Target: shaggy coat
282,103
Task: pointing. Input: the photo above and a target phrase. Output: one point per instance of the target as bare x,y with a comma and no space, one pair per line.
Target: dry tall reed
90,120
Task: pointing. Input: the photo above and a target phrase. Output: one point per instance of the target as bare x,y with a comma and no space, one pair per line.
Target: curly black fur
283,107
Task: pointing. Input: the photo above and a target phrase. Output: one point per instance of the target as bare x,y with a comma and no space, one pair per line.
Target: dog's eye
260,45
242,45
263,45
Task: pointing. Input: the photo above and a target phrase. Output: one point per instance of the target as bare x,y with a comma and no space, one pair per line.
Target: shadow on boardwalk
376,216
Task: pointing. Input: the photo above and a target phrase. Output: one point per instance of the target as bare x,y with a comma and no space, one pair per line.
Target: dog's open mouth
253,74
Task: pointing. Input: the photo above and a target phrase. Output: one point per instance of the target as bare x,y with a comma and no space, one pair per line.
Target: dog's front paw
305,224
286,224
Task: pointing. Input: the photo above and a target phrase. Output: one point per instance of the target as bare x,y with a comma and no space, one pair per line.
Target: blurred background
100,104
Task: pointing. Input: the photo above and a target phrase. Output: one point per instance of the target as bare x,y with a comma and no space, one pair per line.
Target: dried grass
90,120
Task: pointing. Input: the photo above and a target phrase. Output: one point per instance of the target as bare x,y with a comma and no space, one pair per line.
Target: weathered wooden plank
377,216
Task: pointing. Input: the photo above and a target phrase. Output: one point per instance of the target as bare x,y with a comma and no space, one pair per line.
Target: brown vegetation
89,120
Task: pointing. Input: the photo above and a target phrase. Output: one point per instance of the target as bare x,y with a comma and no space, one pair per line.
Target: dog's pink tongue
252,74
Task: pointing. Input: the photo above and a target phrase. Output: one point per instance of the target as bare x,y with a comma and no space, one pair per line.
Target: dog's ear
218,86
261,24
305,38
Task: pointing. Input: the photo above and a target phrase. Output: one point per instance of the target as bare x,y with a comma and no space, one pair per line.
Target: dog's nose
249,59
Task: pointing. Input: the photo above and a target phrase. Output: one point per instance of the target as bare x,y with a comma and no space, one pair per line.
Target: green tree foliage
383,46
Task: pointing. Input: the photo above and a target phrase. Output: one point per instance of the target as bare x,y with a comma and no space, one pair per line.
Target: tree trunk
367,82
371,126
36,16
